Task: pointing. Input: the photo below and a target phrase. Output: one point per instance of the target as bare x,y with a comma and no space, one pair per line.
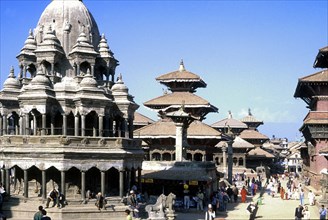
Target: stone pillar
4,124
52,125
24,71
94,127
126,128
102,182
62,182
131,128
44,122
224,155
106,133
44,185
7,181
111,127
64,124
21,130
178,142
52,69
1,124
83,125
93,70
139,180
25,184
78,71
2,176
128,179
83,185
121,183
230,162
27,124
101,125
34,125
76,125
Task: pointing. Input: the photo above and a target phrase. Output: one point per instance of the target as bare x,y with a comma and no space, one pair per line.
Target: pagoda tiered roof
181,80
253,134
229,122
165,128
238,142
172,102
321,60
251,121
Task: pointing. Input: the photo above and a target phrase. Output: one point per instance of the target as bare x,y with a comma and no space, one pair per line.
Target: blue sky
250,53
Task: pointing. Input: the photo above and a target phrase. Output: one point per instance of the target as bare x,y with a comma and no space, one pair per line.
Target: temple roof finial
182,67
11,74
30,32
230,114
249,112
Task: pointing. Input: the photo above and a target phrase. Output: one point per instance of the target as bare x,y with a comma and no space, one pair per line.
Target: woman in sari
243,194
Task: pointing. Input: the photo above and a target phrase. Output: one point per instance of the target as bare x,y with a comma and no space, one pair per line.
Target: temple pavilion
64,122
163,169
313,90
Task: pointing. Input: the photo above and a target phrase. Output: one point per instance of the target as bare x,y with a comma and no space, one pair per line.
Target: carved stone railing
70,141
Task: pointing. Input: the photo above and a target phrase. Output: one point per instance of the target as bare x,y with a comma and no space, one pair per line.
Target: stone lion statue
170,201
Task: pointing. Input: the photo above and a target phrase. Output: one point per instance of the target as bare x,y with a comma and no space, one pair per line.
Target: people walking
311,197
235,193
210,213
44,215
302,197
243,194
133,204
100,201
323,212
306,213
251,210
52,196
128,216
186,196
200,200
299,212
38,215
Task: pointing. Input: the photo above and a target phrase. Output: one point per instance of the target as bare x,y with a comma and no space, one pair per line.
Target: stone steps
19,208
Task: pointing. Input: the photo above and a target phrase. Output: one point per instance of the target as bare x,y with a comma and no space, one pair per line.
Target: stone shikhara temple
64,122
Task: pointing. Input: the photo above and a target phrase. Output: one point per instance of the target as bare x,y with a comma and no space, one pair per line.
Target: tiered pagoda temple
313,90
162,165
64,122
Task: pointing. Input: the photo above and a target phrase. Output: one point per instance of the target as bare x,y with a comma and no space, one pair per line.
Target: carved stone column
34,125
27,124
83,185
224,155
63,182
44,122
102,182
25,184
64,124
179,142
52,125
121,183
44,185
7,181
1,125
139,180
83,125
21,129
4,124
101,125
76,125
230,162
